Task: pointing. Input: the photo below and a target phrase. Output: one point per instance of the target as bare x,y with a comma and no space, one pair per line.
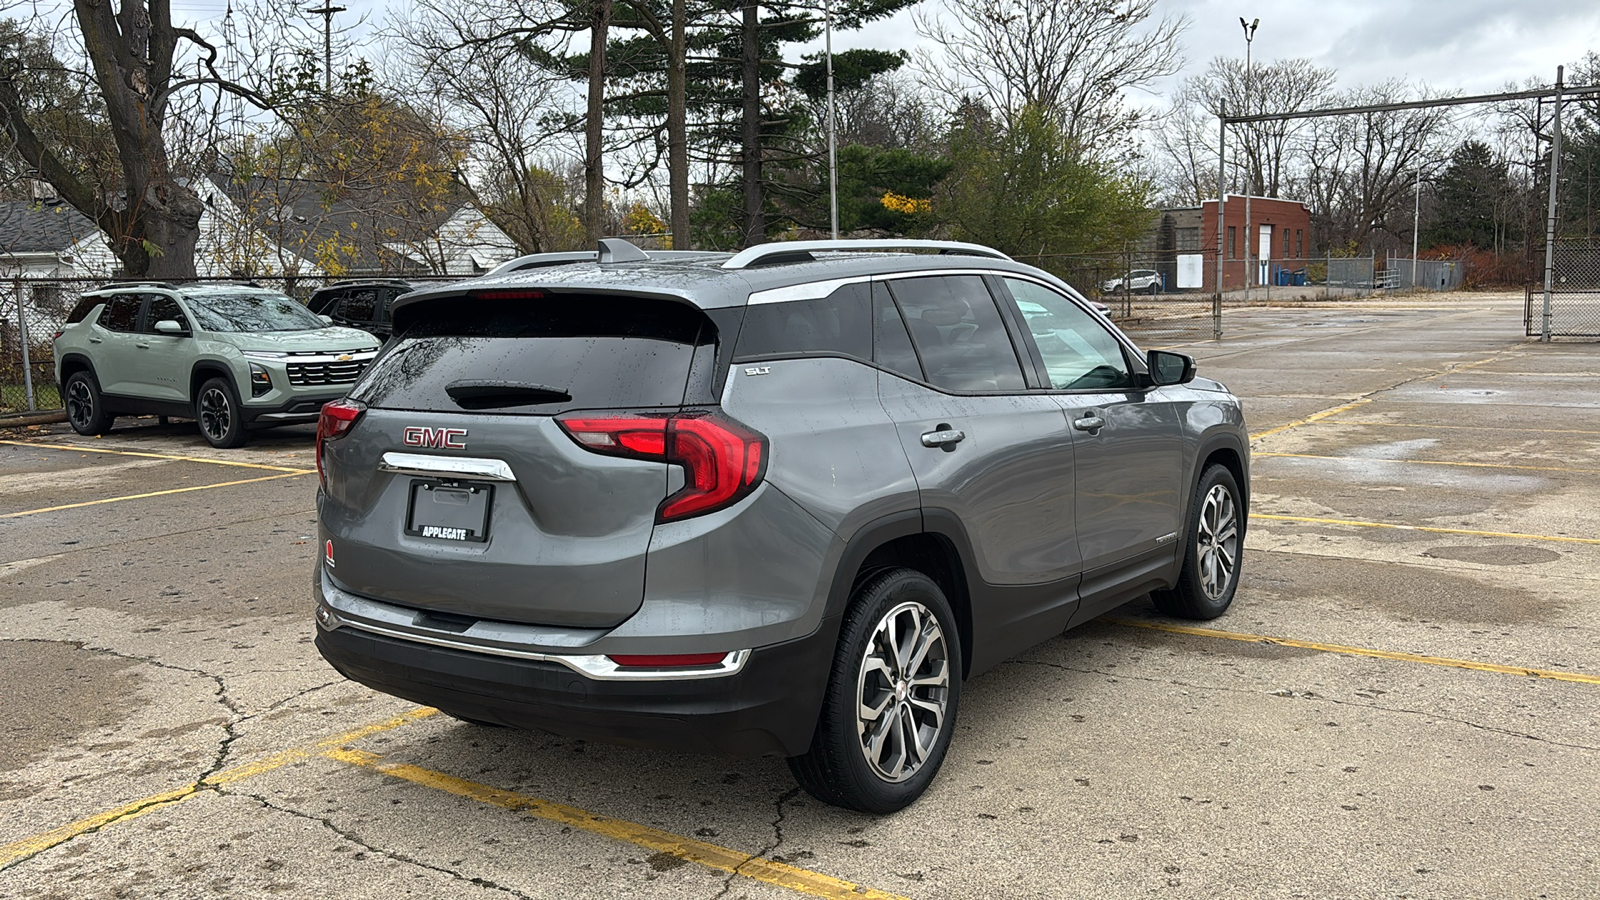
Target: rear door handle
942,438
142,346
1090,424
94,340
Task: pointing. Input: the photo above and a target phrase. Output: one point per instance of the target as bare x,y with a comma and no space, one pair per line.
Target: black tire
217,412
837,770
1154,289
86,410
1213,550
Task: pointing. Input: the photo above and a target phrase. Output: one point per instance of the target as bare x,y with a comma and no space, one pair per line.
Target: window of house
1186,239
1233,234
1300,243
1286,243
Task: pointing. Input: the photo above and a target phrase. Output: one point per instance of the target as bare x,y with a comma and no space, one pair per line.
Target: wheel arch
1227,449
902,540
75,362
205,370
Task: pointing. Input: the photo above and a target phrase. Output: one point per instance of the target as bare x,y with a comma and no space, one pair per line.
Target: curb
34,418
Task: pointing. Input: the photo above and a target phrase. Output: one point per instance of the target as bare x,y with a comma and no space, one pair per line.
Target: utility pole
1550,220
833,153
1416,226
1249,230
326,11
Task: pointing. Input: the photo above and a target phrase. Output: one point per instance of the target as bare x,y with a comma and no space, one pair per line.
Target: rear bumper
769,707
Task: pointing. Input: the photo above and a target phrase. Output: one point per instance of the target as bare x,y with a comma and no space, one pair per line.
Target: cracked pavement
160,648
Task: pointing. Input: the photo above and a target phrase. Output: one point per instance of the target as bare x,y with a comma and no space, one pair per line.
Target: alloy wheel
1218,541
215,414
903,691
80,404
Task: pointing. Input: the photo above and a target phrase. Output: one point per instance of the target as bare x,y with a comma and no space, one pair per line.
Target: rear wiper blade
489,394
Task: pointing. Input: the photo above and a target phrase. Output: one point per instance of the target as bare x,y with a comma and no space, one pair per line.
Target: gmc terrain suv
783,502
232,357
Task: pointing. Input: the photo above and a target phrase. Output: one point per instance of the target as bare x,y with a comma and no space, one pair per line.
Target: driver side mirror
326,320
1167,367
168,326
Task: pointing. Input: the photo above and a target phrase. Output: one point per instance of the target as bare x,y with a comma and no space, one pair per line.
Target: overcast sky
1470,46
1467,46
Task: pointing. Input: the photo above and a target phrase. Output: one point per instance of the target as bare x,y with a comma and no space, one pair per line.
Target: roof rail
136,282
782,252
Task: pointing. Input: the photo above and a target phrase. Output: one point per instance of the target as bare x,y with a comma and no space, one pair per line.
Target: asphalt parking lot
1404,700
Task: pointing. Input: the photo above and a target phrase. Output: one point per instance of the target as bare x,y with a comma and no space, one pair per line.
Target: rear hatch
457,489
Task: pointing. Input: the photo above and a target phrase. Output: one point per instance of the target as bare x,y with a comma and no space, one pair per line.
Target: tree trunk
678,129
755,222
594,179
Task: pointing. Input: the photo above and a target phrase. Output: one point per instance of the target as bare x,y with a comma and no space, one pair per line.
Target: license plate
450,511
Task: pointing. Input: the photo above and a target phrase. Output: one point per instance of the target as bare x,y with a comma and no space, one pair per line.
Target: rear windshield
539,356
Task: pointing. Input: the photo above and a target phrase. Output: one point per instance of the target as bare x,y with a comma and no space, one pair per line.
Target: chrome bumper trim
445,466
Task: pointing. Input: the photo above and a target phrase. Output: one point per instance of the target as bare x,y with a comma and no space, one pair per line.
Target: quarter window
1079,353
836,325
958,334
121,314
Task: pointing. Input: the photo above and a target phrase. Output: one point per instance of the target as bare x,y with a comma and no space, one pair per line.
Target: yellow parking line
1342,422
17,851
1427,462
1314,417
712,856
1577,677
1428,528
185,490
196,459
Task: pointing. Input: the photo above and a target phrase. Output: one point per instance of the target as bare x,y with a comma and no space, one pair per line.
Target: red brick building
1281,246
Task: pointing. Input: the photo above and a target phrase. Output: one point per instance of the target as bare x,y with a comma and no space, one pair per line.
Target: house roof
49,226
304,215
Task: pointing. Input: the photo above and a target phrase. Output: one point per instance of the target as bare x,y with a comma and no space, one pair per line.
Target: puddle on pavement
56,693
1495,556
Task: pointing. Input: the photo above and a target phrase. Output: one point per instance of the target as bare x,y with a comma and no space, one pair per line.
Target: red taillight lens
668,661
337,418
723,461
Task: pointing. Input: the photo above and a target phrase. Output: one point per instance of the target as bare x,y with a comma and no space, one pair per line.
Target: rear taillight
337,418
723,461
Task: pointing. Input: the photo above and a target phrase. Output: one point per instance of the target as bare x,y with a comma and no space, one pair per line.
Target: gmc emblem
437,438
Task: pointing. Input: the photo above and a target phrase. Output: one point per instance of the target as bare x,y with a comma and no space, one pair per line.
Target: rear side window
958,333
359,306
121,314
539,356
891,345
836,325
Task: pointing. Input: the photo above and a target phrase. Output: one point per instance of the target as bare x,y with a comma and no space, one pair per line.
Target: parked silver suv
783,502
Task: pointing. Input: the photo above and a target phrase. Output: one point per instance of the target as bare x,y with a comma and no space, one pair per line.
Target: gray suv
783,502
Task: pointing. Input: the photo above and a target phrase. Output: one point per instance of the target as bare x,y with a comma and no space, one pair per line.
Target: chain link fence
1574,293
1169,297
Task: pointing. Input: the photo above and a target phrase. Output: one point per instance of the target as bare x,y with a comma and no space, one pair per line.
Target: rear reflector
669,661
723,461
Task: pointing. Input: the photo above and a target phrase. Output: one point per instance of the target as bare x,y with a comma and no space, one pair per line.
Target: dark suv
360,304
783,502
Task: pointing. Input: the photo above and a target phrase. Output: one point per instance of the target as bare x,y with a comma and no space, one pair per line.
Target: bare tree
139,63
1281,86
515,115
1073,60
1361,169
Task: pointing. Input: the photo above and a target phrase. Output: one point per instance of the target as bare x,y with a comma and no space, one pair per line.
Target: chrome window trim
429,466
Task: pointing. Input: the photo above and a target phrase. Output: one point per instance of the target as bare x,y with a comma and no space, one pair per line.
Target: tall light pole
833,154
1249,230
